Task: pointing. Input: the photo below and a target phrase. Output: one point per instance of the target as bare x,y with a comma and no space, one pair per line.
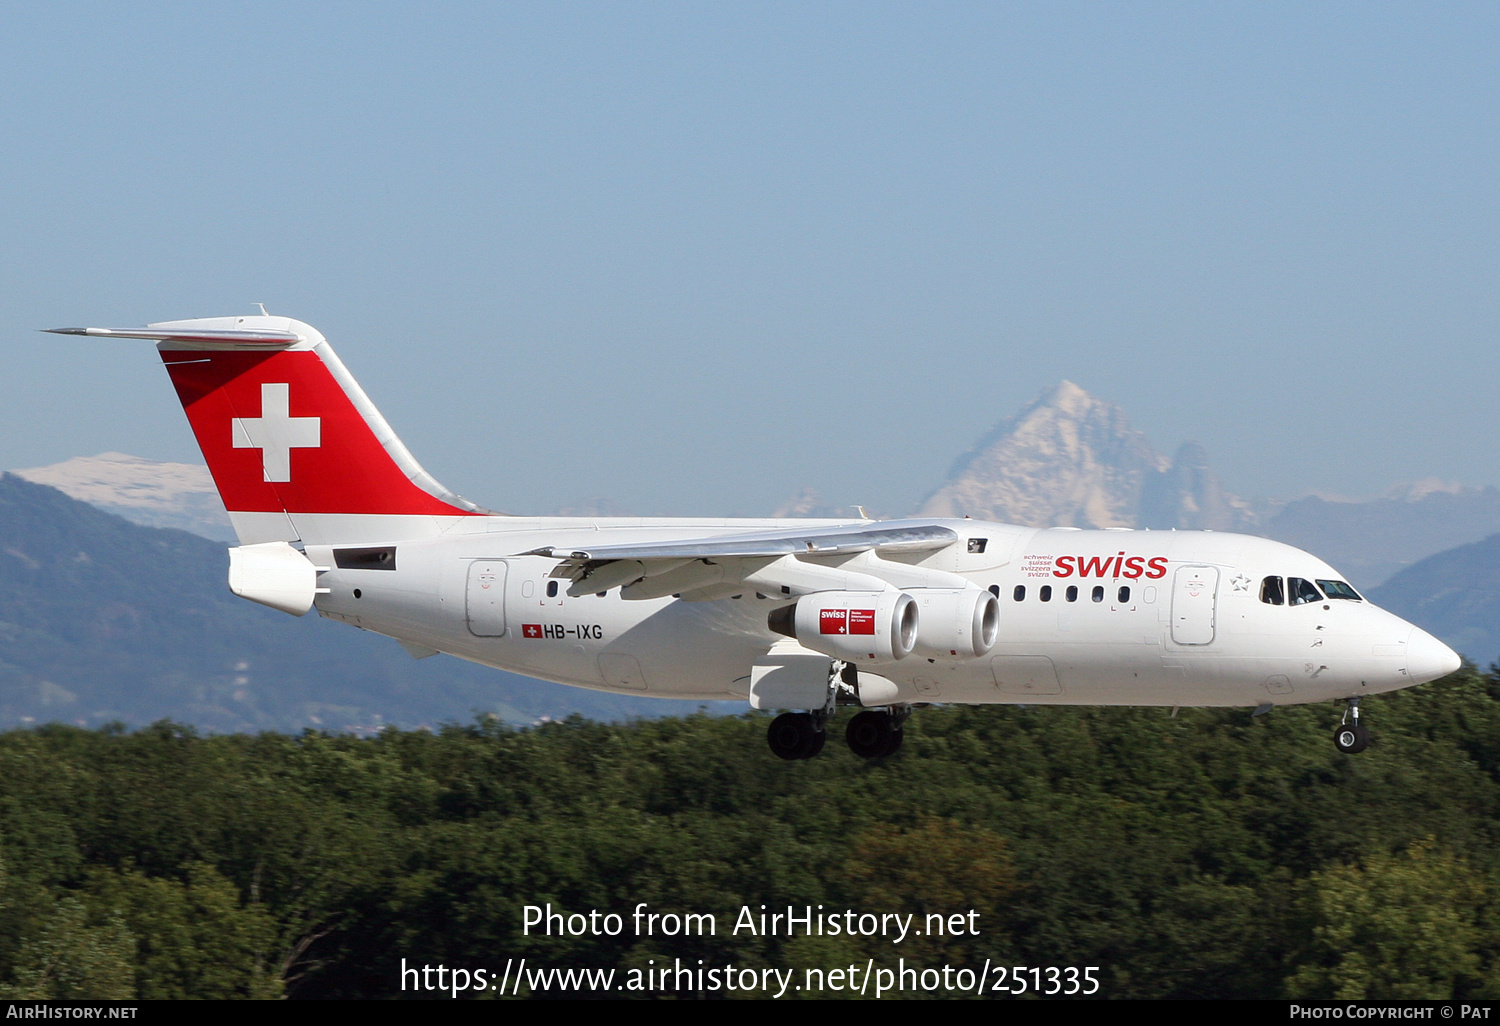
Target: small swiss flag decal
531,630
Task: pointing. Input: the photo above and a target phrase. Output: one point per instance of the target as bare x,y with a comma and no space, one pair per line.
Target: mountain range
147,492
1071,459
1457,593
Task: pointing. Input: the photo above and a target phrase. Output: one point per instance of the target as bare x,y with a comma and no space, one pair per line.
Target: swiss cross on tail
276,432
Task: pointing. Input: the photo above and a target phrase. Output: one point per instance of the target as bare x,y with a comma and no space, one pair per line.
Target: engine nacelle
274,574
855,626
965,624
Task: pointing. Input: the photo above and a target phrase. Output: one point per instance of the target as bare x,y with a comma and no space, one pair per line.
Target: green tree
195,938
1398,927
73,958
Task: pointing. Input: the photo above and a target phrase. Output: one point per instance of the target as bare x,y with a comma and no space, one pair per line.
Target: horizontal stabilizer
197,338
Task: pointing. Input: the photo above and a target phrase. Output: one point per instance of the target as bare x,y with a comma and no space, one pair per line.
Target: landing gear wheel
793,736
1352,738
872,734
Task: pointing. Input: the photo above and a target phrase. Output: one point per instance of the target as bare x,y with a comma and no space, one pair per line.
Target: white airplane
333,513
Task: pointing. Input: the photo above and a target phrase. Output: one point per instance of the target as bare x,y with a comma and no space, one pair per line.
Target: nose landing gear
1351,738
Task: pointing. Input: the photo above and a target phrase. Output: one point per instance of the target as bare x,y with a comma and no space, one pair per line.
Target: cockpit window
1301,592
1339,590
1271,593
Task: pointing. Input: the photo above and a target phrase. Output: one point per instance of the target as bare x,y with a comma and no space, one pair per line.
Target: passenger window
1072,593
1020,593
1046,593
1270,591
1098,593
1339,590
1300,592
552,589
995,590
1124,595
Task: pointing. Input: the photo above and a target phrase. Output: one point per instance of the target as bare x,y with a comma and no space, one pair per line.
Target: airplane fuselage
1087,617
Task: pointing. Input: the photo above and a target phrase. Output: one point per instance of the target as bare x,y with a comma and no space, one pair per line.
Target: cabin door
485,598
1194,603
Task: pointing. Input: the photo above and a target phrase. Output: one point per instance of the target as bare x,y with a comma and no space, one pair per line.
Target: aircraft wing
816,541
701,568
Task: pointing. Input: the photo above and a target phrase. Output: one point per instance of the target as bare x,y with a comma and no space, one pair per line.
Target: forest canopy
1206,854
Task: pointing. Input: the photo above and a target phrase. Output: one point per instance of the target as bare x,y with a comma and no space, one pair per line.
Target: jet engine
274,574
855,626
964,623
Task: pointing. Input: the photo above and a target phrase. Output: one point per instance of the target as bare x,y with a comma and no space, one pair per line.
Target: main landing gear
871,734
1351,738
796,735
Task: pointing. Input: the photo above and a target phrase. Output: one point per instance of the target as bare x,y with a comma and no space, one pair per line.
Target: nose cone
1427,658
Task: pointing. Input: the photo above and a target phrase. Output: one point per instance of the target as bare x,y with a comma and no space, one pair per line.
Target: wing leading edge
783,560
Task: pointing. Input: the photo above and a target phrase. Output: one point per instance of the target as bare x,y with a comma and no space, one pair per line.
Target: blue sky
690,258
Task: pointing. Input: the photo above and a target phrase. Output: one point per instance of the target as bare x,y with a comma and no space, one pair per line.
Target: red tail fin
295,447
